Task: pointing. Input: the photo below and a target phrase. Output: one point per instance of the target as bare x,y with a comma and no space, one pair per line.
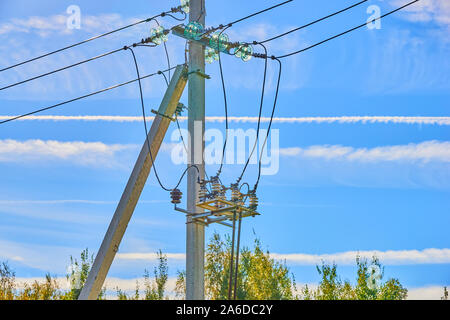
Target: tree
7,282
78,274
445,296
368,284
259,277
47,290
153,289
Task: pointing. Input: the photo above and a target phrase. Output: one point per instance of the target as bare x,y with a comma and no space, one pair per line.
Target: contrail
442,121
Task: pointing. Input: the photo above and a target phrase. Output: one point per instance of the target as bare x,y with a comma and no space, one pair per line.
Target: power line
224,28
259,12
314,22
348,31
270,124
62,69
173,10
259,116
146,133
82,97
226,106
230,24
142,43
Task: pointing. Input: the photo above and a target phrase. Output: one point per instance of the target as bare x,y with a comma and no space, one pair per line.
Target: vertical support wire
232,256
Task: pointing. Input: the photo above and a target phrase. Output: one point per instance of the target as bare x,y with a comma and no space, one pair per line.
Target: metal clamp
200,73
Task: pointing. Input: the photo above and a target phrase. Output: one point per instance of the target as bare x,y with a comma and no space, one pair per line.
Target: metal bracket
180,107
201,74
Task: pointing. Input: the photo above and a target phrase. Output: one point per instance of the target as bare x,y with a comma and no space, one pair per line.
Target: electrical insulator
235,194
202,193
244,51
194,30
179,109
253,201
176,196
215,185
158,35
185,6
211,55
219,41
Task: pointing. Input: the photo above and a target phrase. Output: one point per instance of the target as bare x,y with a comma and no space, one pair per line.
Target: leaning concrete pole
195,232
134,187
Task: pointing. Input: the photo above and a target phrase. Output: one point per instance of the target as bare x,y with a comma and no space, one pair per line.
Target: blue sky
343,186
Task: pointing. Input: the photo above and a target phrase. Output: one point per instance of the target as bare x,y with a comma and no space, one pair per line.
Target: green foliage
368,284
180,286
445,296
47,290
259,277
78,274
153,289
7,282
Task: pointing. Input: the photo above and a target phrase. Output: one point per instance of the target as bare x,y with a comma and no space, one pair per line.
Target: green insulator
219,41
211,55
244,51
194,30
157,35
185,6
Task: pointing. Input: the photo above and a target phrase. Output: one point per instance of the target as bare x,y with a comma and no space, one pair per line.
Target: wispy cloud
390,257
74,201
437,11
149,256
83,153
422,152
45,26
444,121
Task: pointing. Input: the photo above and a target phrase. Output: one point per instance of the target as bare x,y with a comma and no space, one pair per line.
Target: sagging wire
225,103
260,114
270,122
168,13
146,135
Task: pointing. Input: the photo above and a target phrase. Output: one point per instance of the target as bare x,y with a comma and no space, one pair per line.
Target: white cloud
50,202
422,152
445,121
84,153
437,11
45,26
426,293
390,257
149,256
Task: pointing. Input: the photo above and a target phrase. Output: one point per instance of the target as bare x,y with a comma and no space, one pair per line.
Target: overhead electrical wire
62,69
270,124
314,22
142,43
225,103
168,13
230,24
348,31
259,116
82,97
223,28
146,134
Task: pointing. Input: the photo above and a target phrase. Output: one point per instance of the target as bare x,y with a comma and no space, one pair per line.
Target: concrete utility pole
135,185
195,232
